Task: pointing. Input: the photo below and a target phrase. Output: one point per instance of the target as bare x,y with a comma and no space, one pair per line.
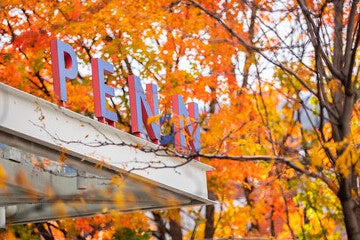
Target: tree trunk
160,234
209,215
349,208
175,230
47,235
346,183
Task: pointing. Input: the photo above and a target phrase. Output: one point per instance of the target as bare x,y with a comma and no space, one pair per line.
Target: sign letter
64,66
142,107
101,90
182,125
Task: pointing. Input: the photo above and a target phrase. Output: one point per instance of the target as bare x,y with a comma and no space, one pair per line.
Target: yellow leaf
153,119
2,179
334,85
349,157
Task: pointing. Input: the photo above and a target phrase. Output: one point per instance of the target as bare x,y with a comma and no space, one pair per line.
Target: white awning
55,163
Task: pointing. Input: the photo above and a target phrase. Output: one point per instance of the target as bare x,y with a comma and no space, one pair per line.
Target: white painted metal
2,217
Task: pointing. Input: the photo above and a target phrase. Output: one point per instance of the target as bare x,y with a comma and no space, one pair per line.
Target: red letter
64,66
101,90
182,125
141,110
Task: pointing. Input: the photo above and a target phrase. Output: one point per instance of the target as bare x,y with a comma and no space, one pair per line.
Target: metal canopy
55,163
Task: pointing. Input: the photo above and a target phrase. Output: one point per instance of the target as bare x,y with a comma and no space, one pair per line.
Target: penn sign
143,104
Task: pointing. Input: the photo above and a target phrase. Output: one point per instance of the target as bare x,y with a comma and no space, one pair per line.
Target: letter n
184,126
142,108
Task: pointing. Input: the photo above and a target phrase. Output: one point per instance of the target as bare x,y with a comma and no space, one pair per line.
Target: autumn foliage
278,87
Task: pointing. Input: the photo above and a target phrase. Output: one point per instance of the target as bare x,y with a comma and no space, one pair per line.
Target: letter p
64,66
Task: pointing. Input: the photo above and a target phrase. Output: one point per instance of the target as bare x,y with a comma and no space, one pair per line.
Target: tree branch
350,35
315,39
